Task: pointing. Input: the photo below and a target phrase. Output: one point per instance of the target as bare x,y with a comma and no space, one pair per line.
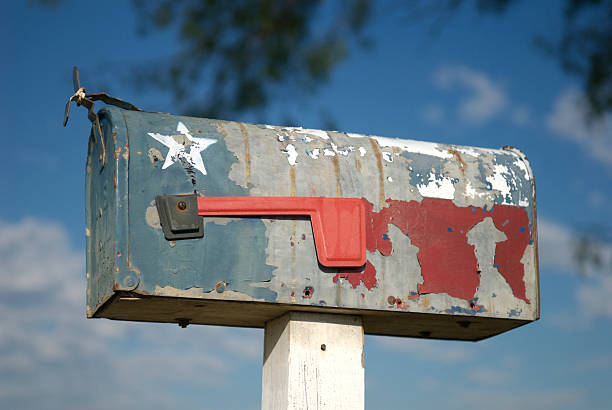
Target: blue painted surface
232,253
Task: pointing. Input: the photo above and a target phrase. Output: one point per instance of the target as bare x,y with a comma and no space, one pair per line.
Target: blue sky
480,83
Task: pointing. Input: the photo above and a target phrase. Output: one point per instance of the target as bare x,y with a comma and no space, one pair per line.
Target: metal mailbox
193,220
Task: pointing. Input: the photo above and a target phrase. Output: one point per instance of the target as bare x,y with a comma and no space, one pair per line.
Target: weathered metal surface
450,231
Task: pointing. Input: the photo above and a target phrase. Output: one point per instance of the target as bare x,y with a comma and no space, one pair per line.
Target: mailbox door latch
178,216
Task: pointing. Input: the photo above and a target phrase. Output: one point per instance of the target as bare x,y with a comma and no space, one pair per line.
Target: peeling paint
437,187
417,147
314,154
499,182
195,292
319,133
154,155
291,154
152,217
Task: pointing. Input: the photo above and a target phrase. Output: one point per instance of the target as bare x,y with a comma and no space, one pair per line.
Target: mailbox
200,221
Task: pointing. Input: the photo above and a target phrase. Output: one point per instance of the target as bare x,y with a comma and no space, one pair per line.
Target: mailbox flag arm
338,224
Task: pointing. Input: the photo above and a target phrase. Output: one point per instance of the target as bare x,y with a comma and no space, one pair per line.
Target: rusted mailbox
201,221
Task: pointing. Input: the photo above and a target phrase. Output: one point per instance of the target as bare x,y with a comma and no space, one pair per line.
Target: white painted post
313,361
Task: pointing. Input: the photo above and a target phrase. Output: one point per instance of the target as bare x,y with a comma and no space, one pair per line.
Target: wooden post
313,361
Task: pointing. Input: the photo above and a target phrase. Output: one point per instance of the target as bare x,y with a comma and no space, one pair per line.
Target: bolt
183,322
323,347
464,323
181,205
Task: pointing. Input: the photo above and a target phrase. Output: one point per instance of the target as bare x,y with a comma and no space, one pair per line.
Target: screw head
323,347
181,205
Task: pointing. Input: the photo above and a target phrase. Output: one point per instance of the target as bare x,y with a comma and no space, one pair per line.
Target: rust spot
126,153
308,291
221,129
461,162
154,155
117,152
292,179
357,164
381,177
337,171
247,154
220,286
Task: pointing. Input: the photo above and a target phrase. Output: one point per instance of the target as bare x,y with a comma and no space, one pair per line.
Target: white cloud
485,98
426,349
601,362
569,120
597,199
568,398
52,357
433,113
488,375
520,116
595,297
558,245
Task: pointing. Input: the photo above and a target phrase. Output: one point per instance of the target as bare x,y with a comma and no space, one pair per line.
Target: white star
177,150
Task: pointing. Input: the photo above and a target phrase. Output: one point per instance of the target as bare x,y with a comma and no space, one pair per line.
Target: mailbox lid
450,230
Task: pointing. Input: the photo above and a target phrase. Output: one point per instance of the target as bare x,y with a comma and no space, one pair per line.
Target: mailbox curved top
450,231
